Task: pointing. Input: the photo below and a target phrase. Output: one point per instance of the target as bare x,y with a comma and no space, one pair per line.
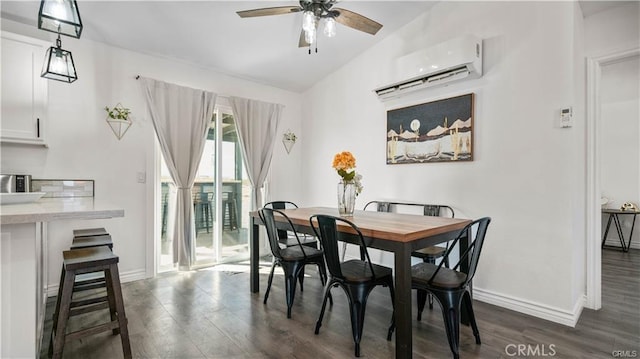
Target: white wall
526,172
612,30
82,146
620,139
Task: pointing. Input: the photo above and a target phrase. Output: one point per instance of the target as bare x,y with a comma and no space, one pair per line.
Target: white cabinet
23,279
24,92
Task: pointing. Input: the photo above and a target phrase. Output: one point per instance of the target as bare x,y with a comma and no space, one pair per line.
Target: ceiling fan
315,12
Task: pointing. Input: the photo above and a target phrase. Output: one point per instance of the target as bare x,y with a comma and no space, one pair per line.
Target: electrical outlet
142,177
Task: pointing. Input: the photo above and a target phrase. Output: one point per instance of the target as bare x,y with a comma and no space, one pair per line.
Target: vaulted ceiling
212,35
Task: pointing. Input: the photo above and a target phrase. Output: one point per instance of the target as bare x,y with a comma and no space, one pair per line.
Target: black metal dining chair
292,259
451,286
287,238
429,254
356,277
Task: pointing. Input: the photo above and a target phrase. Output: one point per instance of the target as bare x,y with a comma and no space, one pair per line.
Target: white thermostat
566,117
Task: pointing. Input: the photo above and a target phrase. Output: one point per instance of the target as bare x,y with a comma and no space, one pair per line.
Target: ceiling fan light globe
308,21
310,36
330,27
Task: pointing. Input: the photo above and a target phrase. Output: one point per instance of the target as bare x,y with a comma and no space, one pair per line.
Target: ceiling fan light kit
315,12
308,21
330,27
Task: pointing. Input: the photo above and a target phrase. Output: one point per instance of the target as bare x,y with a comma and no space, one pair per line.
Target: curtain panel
181,117
256,123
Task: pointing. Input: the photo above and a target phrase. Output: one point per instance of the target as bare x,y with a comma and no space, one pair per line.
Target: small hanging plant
118,120
118,112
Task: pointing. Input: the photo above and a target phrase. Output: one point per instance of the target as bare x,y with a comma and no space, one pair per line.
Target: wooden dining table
393,232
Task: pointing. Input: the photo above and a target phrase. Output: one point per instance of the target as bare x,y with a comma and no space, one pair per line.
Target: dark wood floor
211,314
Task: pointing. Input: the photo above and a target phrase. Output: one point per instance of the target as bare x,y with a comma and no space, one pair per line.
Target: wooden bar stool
229,212
89,232
92,241
89,242
81,261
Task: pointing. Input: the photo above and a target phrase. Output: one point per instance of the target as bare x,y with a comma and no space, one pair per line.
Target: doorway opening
595,122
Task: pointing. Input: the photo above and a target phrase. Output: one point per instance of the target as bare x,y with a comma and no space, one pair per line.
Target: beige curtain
181,118
256,123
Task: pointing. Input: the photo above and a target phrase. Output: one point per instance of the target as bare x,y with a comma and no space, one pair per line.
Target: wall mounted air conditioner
453,60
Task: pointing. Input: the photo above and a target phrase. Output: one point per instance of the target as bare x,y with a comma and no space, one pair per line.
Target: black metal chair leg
266,293
392,327
327,293
466,299
292,272
322,269
450,302
357,304
301,279
422,300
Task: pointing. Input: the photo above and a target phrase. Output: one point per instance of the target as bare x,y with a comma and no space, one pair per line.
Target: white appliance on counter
17,189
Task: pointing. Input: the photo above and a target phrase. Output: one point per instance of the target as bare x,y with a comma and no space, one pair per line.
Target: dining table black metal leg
616,221
254,255
606,231
633,224
402,311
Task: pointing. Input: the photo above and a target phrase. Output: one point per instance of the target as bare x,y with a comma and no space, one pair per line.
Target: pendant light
58,64
60,16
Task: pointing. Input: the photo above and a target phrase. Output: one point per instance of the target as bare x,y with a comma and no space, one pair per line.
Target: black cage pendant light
61,17
58,64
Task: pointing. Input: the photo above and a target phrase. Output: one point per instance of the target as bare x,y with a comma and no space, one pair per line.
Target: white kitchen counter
23,263
52,209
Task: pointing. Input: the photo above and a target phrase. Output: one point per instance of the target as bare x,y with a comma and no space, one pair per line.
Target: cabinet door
24,92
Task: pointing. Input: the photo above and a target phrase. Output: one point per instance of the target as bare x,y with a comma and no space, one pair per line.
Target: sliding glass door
221,195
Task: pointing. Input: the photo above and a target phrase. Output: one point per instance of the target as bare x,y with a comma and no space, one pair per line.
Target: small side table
613,216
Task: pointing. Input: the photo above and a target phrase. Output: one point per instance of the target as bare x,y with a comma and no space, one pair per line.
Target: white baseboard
52,289
557,315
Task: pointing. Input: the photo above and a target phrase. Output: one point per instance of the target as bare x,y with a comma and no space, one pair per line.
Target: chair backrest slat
326,229
436,210
282,234
268,218
473,250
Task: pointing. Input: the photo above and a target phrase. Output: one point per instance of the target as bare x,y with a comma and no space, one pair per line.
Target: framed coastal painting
438,131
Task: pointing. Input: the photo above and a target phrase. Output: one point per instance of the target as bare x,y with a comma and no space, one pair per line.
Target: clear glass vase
346,198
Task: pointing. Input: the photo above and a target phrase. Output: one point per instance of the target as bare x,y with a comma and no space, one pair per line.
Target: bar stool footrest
88,309
91,331
83,287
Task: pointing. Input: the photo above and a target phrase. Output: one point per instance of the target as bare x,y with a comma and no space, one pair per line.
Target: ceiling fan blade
267,11
302,42
356,21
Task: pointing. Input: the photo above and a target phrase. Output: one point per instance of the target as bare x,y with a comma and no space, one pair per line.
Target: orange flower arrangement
344,162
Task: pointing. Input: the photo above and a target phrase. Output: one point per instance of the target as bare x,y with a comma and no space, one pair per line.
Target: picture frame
437,131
